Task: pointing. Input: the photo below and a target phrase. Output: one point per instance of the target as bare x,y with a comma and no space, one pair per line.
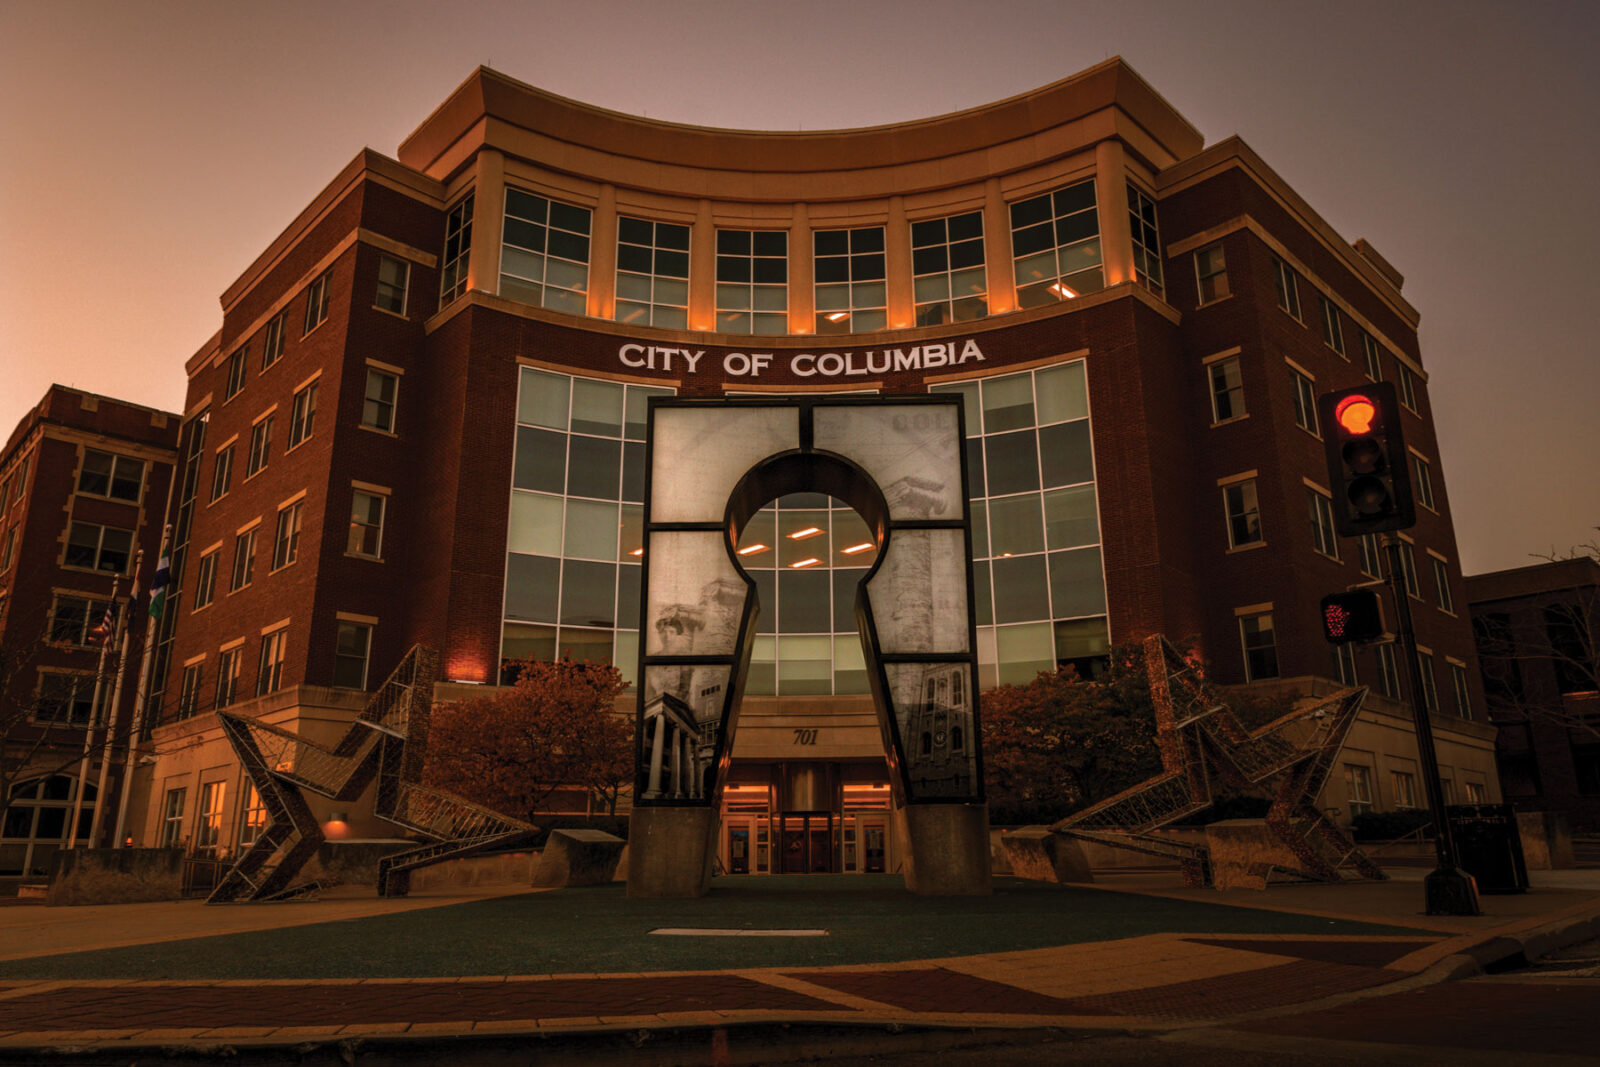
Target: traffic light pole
1448,890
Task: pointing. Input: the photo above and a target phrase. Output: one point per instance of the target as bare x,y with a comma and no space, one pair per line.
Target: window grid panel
1211,273
949,281
652,273
545,252
1146,240
457,248
1055,245
752,295
850,294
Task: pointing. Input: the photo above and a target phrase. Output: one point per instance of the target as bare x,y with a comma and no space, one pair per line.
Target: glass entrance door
807,843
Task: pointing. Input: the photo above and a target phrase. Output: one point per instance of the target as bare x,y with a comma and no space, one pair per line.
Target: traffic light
1368,470
1353,616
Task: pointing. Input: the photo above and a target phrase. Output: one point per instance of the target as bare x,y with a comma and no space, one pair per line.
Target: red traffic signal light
1353,616
1368,470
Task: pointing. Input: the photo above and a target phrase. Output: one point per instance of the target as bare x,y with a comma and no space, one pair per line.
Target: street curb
1509,951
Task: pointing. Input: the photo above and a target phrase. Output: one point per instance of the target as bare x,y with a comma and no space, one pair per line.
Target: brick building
1536,629
422,421
83,486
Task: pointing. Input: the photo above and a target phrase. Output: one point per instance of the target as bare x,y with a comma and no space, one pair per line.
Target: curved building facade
455,349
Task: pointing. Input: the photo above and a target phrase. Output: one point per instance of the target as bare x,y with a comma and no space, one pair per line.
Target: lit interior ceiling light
853,549
1063,291
750,550
801,535
637,552
812,562
839,316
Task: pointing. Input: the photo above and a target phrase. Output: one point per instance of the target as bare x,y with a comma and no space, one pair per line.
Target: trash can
1489,847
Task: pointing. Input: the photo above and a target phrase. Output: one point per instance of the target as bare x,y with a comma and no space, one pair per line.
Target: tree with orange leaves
557,727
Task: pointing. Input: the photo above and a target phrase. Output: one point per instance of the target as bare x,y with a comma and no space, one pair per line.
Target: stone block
464,872
116,876
1546,840
1037,853
946,849
578,857
1243,853
350,862
670,851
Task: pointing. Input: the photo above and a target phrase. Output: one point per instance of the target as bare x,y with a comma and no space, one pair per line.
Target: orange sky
150,151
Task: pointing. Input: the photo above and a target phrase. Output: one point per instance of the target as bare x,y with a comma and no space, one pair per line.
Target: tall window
302,414
1441,586
1260,646
1357,789
1055,244
949,281
1211,272
222,474
1244,513
1227,389
1422,481
205,580
8,550
1408,386
111,476
1458,688
253,816
1403,784
1287,284
1323,538
272,340
228,675
73,617
457,249
652,273
208,821
235,376
366,524
851,296
317,302
189,691
1146,241
1305,402
172,818
100,548
544,253
244,560
377,406
1332,333
753,281
1388,676
286,539
67,699
1372,356
394,279
1371,564
352,643
1408,569
260,446
1344,663
269,669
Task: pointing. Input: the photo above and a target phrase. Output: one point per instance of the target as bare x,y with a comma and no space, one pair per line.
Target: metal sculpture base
947,849
670,851
1451,891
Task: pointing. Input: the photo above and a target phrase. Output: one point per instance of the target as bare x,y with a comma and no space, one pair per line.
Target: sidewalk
1135,951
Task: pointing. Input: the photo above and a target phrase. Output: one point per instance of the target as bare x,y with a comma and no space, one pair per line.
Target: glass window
536,524
286,539
753,281
1211,272
1388,676
317,302
1323,539
544,399
1422,480
1021,652
260,446
1287,284
588,593
1408,570
1260,646
948,278
1441,586
533,585
208,821
394,278
1240,505
1227,389
100,548
189,691
71,618
1344,663
1146,240
1067,453
1062,393
1458,686
591,530
596,407
1370,565
1371,356
205,582
272,339
227,676
1021,589
1013,462
235,379
1332,334
652,273
1070,517
377,406
303,414
1357,788
172,818
269,669
457,248
1408,387
1403,784
1055,245
1084,645
805,665
244,560
594,467
1077,586
352,643
222,474
366,523
540,460
544,257
1015,525
253,816
803,604
112,476
850,293
1305,402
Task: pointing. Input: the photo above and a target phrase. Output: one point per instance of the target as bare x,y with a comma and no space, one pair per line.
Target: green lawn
869,919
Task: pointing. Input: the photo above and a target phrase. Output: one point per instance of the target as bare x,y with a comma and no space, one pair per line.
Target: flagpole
126,619
141,693
94,714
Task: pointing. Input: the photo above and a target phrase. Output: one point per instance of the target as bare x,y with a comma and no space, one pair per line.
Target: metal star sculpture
388,741
1206,750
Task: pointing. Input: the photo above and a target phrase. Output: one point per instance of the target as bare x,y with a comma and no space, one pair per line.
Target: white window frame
402,288
1219,366
228,674
1372,356
260,446
205,581
1324,539
98,565
457,249
317,299
351,625
117,462
1288,289
1249,503
302,415
1422,480
244,560
233,383
286,534
949,301
1332,330
358,523
1357,788
272,339
269,662
1245,647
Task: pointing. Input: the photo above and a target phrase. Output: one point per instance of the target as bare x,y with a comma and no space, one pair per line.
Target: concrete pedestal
946,849
1037,853
1244,852
670,851
1546,840
578,857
